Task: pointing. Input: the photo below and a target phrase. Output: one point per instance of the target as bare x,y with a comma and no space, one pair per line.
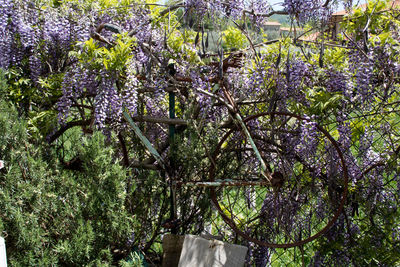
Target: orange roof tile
311,37
288,29
271,23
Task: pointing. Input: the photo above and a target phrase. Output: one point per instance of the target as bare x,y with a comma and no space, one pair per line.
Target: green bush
52,213
234,39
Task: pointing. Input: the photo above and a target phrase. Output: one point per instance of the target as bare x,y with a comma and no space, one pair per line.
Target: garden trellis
251,180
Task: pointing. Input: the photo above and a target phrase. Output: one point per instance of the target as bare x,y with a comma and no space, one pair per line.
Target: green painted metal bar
171,116
144,140
171,96
253,145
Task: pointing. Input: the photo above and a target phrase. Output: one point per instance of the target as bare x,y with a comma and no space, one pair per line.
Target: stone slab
172,246
200,252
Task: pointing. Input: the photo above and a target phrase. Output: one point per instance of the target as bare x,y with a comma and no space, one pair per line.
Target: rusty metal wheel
308,189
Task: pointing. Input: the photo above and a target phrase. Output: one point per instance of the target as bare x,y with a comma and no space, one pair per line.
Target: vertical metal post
171,159
172,116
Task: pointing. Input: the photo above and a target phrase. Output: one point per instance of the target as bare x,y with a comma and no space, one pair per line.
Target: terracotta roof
311,37
392,4
271,23
288,29
340,13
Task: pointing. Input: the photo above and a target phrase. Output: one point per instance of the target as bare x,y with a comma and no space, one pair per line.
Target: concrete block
200,252
172,247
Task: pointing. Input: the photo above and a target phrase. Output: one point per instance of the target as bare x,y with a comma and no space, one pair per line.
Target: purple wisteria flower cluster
362,67
43,37
260,76
307,10
308,146
77,81
108,101
107,104
337,81
10,24
298,77
234,9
